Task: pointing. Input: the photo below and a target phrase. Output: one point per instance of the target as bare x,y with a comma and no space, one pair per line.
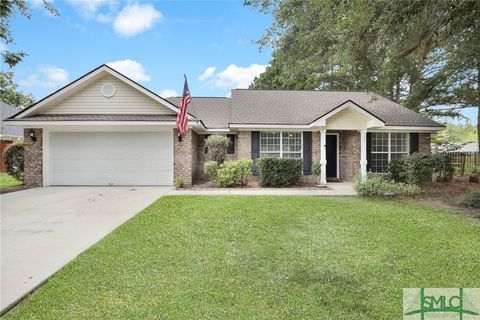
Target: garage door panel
106,158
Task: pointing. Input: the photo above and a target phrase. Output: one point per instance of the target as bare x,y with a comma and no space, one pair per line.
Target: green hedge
279,171
380,186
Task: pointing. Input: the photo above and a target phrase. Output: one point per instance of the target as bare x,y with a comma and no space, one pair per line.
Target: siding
347,119
126,100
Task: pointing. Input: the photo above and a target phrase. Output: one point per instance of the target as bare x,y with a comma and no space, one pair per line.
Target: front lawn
263,258
7,180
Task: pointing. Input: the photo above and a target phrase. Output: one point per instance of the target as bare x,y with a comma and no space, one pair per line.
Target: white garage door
110,158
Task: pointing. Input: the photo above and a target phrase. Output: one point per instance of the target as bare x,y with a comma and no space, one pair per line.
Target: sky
152,42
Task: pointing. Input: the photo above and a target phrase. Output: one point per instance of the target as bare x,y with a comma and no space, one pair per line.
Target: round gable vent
108,90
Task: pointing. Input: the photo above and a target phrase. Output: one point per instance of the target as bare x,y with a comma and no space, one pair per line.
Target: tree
423,54
9,92
456,134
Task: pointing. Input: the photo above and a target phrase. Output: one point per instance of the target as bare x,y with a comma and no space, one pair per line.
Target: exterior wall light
32,136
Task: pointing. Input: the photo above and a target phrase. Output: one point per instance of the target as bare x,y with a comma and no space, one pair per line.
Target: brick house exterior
125,144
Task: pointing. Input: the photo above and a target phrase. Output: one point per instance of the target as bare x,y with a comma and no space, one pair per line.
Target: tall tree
424,54
9,92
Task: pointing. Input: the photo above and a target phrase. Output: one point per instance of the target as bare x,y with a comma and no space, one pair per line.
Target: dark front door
331,147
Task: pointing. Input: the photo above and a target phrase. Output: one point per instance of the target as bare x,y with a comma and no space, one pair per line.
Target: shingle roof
303,107
100,117
213,111
7,111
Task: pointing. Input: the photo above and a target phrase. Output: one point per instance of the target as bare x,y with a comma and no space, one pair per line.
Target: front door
331,146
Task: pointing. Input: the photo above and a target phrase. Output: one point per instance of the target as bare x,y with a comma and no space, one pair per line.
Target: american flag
182,118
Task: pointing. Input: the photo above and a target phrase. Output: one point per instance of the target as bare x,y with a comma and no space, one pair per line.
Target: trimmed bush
243,171
279,171
210,169
418,169
226,174
179,183
378,186
473,198
443,165
13,158
396,170
217,147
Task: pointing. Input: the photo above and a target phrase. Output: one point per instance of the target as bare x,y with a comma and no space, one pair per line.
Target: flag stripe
182,118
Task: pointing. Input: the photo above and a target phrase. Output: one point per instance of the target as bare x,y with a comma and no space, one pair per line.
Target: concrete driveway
45,228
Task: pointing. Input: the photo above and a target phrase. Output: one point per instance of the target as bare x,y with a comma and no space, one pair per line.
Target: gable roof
6,111
87,79
213,111
303,107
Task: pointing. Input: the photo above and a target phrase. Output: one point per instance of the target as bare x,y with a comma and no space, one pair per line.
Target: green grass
8,181
263,258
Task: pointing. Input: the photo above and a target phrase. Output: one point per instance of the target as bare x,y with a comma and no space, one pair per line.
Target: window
387,146
281,144
231,145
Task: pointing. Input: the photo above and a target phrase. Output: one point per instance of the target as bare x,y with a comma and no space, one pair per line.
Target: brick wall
349,154
183,152
33,175
424,141
244,145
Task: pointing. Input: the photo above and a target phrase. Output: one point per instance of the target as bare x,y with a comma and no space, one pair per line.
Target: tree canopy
9,92
424,54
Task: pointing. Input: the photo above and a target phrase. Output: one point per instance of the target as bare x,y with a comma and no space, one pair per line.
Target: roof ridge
305,90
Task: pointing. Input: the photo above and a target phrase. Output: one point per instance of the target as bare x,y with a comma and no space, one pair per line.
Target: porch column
323,156
363,154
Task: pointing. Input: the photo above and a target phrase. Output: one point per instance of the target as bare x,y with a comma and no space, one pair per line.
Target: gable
347,119
90,100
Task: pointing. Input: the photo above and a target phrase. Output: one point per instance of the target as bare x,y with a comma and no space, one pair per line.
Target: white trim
407,129
46,158
338,152
363,154
90,76
37,124
323,156
271,126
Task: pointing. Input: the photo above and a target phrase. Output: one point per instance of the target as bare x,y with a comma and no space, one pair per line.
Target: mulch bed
451,195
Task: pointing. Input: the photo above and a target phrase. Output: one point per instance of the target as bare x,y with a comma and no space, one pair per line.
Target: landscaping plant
179,183
474,176
210,169
379,186
243,171
226,174
418,169
277,172
13,158
443,166
396,170
473,198
217,147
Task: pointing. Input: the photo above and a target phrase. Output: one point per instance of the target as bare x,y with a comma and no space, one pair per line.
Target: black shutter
231,145
413,142
369,151
307,153
255,150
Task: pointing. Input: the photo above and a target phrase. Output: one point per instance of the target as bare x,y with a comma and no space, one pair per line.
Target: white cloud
49,77
208,73
104,18
136,18
88,8
3,47
131,69
232,77
167,93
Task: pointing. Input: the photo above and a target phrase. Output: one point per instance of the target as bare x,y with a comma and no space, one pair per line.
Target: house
8,134
105,129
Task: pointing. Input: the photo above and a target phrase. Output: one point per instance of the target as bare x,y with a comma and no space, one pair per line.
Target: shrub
243,171
226,174
217,147
378,186
210,169
396,170
443,165
316,169
418,169
473,198
13,158
179,183
279,171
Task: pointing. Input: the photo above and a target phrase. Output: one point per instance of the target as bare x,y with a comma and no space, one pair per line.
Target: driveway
45,228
